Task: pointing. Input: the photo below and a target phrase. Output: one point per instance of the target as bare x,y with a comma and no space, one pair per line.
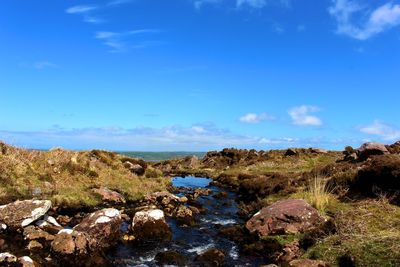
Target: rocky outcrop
369,149
109,195
7,258
150,225
282,217
19,214
291,152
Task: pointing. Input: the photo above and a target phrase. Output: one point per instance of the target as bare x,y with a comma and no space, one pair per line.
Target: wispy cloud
383,130
86,12
119,2
122,41
80,9
252,3
255,118
44,65
301,116
360,22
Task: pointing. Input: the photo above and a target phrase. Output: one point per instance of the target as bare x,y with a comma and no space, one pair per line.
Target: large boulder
134,168
150,225
371,148
70,242
19,214
285,216
102,228
109,195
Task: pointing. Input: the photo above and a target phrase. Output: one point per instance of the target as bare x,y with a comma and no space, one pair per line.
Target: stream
194,240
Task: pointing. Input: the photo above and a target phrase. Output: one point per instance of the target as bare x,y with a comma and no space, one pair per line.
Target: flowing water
194,240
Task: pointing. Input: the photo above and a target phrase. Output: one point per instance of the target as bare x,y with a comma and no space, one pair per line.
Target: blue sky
199,74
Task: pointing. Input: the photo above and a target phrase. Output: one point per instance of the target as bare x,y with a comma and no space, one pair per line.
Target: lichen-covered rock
101,227
109,195
49,224
134,168
64,243
19,214
150,225
285,216
371,148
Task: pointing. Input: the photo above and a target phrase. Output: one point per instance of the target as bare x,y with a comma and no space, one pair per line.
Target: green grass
367,231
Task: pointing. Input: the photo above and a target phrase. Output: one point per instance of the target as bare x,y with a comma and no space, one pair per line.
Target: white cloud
44,65
300,116
255,118
385,131
119,2
80,9
120,42
252,3
359,22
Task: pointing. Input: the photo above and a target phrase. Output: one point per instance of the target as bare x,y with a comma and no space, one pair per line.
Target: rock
6,258
285,216
220,195
134,168
371,148
212,257
184,215
19,214
64,219
101,227
291,152
150,225
63,244
307,263
34,245
171,258
34,233
26,261
290,252
191,162
109,195
318,151
49,224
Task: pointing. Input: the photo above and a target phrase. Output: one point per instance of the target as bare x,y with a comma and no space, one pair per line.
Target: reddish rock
371,148
286,216
290,252
109,195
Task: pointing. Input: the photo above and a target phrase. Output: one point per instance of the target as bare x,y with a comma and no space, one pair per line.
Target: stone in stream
211,258
283,217
308,263
150,225
19,214
7,258
171,258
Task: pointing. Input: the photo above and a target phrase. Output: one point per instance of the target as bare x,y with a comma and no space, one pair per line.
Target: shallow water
194,240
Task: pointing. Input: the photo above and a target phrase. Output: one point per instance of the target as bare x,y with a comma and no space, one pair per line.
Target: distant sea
159,156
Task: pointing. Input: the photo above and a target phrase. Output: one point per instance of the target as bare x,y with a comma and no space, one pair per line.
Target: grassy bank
67,177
